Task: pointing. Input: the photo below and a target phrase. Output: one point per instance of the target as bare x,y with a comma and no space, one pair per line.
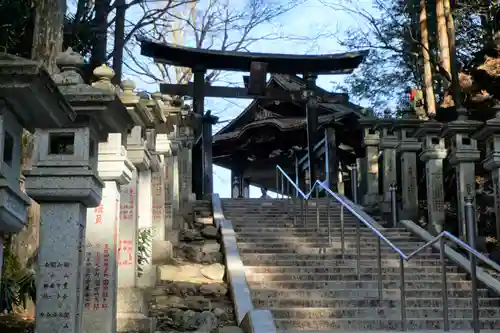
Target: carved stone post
490,133
433,154
371,141
408,148
463,155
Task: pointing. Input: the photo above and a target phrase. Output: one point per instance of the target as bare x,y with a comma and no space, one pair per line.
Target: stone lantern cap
32,95
140,106
429,128
489,128
98,102
368,122
460,127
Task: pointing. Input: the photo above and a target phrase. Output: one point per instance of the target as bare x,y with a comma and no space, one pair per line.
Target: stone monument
371,141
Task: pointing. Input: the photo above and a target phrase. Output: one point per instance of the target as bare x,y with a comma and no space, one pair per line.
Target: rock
229,329
206,321
213,272
221,315
200,252
213,289
210,232
195,303
190,235
190,320
181,288
182,273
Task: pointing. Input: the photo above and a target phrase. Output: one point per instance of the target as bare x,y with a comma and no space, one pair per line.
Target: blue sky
310,19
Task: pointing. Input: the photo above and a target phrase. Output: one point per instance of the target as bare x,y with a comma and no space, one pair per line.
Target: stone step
349,278
333,268
291,283
340,303
264,293
268,231
379,313
348,245
283,259
335,238
379,331
383,324
365,252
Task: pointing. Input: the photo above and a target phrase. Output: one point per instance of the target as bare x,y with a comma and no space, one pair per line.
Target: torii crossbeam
259,65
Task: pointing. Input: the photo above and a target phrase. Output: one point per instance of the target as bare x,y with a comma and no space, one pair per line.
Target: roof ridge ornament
104,75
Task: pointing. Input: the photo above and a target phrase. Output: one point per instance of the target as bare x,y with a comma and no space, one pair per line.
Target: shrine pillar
236,184
162,201
490,133
433,153
331,158
371,142
463,155
408,148
102,241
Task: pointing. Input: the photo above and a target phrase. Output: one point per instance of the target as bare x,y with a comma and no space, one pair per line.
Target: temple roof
342,63
337,104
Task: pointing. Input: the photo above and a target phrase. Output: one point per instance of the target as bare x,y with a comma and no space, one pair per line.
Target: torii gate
259,65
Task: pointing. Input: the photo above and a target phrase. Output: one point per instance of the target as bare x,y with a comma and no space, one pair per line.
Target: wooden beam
231,92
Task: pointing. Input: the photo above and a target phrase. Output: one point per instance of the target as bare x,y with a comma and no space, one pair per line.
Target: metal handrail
441,237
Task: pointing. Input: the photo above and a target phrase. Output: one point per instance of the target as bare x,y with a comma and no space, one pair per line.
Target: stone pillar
245,189
490,133
463,155
331,157
408,147
127,240
101,256
371,141
236,184
433,153
63,213
147,276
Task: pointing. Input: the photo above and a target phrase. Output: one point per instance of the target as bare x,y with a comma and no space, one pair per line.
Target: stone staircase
308,286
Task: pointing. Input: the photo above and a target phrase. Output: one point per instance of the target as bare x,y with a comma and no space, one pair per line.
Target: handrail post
379,266
444,286
402,293
394,207
470,218
358,249
329,221
277,180
317,209
354,183
294,199
282,185
342,234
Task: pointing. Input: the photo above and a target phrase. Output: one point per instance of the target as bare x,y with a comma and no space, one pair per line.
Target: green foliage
144,244
16,27
18,284
392,34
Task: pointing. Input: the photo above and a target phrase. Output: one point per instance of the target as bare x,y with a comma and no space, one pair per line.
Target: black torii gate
259,65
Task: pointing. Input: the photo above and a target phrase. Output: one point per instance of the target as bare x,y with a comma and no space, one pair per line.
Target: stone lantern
490,134
371,142
433,153
28,99
388,144
408,147
463,154
64,180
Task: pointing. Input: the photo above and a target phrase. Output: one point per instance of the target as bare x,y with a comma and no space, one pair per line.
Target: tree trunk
48,32
455,83
121,10
100,25
442,30
424,35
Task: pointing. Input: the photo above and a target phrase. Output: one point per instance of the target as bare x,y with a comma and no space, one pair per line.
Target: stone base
408,214
162,251
131,300
134,323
